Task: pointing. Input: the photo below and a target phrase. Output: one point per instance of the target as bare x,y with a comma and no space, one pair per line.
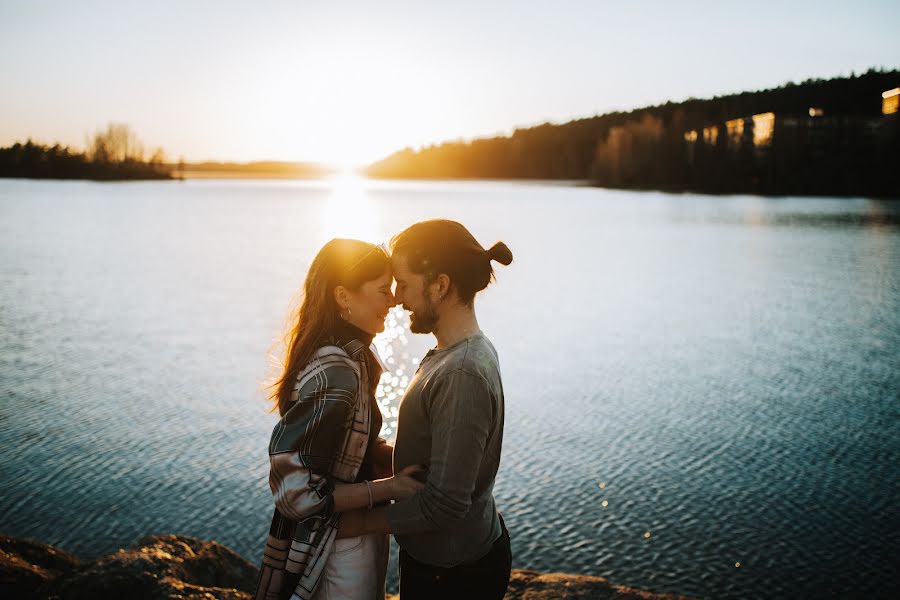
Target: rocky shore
169,567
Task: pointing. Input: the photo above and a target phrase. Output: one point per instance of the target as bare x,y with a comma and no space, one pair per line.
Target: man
453,542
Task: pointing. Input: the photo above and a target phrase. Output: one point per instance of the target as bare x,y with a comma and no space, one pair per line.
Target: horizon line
342,166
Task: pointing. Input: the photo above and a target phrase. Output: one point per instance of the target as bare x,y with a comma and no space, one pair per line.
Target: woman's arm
361,522
348,496
306,438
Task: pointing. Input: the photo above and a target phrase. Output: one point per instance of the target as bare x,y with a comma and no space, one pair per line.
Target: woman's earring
348,315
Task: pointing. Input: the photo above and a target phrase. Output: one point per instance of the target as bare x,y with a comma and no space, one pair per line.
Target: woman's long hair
349,263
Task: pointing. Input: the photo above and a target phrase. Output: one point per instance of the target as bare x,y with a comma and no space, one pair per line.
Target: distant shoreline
92,178
201,175
189,174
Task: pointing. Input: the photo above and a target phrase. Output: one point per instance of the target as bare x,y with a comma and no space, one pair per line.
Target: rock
27,566
170,567
532,585
162,567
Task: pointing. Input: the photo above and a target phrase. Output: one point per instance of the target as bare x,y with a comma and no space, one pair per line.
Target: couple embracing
339,489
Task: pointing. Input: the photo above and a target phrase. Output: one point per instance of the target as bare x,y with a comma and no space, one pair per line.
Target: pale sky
349,82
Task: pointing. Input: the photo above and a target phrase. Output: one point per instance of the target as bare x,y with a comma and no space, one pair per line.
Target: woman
325,454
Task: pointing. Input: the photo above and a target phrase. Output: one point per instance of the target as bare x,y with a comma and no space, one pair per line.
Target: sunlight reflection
393,346
349,212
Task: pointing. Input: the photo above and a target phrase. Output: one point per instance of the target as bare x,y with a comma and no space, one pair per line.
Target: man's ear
443,285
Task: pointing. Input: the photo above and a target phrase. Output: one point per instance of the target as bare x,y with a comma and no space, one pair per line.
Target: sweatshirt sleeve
306,442
461,415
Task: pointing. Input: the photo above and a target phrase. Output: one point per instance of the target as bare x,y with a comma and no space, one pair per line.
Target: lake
702,393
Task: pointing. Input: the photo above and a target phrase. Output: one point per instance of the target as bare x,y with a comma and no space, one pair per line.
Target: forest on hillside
825,137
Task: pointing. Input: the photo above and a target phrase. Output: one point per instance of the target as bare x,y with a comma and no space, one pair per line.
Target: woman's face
368,306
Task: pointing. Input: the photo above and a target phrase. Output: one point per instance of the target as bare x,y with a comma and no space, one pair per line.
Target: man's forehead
398,262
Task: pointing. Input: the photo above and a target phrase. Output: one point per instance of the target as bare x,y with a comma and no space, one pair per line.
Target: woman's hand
407,482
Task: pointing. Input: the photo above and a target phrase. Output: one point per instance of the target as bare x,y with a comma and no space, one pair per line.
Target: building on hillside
780,151
890,101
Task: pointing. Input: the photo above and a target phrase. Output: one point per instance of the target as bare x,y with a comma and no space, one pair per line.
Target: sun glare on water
349,211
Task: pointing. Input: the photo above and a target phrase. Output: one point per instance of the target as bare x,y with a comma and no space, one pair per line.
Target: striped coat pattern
320,440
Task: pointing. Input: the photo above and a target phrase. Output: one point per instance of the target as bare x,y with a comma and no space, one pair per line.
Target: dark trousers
485,579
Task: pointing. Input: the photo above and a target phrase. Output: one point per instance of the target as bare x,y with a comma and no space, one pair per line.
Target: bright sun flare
349,211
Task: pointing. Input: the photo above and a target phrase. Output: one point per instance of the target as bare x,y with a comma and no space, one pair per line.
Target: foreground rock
27,566
162,567
170,567
532,585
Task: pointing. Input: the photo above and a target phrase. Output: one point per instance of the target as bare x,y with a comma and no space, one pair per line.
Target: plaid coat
320,440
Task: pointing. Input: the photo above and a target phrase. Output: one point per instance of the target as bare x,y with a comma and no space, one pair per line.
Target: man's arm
461,416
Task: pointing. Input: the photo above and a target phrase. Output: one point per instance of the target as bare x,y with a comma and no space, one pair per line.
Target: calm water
692,382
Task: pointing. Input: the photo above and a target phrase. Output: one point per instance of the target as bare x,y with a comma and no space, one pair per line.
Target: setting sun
355,103
349,212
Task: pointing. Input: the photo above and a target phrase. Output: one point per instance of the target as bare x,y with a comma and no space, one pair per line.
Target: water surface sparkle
720,371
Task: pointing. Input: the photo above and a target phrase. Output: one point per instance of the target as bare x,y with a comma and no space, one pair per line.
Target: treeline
646,147
115,153
256,169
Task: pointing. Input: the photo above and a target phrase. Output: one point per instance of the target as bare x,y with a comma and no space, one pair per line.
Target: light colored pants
356,569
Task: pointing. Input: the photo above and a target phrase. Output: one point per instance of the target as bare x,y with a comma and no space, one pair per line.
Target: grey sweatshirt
451,420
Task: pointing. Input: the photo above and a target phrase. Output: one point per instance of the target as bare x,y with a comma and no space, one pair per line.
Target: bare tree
117,144
158,157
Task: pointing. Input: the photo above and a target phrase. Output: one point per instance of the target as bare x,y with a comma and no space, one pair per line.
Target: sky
349,82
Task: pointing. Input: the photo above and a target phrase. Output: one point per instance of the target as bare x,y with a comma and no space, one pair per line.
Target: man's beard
424,320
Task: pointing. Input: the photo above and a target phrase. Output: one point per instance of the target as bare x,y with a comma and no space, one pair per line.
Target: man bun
441,246
501,253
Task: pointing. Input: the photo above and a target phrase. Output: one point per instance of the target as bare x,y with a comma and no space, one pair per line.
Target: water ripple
699,390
